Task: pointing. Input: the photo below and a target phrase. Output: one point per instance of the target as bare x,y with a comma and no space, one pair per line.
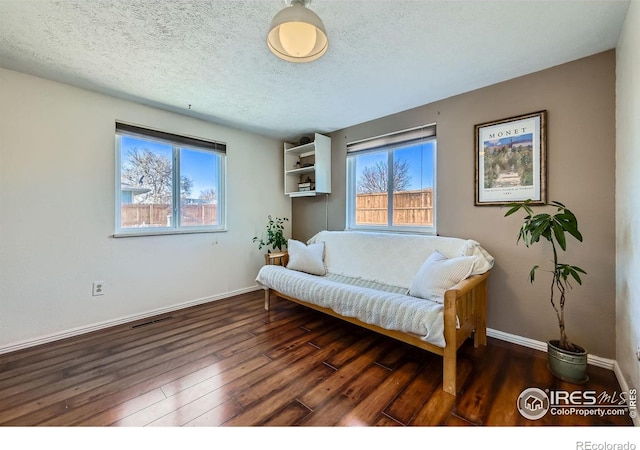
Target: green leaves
515,207
569,223
558,232
554,229
563,271
532,274
275,234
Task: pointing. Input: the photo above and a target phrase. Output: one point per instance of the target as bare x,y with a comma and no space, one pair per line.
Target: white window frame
389,143
177,142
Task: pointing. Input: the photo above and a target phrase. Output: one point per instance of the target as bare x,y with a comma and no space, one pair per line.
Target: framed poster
510,160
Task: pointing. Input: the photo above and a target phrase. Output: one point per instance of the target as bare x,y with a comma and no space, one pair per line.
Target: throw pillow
439,273
306,258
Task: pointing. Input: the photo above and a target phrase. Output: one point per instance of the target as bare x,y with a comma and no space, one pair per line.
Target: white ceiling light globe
297,38
297,34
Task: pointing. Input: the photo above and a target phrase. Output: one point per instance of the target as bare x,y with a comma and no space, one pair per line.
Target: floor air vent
151,322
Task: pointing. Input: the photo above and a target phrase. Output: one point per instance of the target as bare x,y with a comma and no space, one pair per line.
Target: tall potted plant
567,360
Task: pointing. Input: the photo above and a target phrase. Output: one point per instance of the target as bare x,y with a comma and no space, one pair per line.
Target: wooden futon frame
467,301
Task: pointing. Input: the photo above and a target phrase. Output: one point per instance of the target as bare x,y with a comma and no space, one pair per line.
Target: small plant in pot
567,360
274,235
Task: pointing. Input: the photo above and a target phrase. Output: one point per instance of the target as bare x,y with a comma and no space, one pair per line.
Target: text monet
505,133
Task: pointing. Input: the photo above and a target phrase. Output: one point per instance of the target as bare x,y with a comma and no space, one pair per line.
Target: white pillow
439,273
306,258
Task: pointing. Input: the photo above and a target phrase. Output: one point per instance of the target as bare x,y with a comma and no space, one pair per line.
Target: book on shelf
304,185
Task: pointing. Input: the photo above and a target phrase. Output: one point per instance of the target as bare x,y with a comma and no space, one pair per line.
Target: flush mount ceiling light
297,34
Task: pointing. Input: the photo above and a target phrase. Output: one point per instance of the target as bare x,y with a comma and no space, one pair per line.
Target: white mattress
392,259
389,310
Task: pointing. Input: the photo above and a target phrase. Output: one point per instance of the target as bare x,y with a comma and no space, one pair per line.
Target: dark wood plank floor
230,363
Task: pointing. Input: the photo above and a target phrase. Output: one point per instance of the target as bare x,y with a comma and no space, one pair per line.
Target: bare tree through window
374,178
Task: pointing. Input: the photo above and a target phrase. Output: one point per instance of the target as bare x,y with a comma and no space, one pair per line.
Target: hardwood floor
230,363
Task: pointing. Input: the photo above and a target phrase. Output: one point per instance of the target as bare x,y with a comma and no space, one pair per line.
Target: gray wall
580,101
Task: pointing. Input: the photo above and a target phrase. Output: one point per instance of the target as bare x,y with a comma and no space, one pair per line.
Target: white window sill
127,234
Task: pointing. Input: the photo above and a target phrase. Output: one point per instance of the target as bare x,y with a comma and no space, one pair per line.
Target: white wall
628,197
57,179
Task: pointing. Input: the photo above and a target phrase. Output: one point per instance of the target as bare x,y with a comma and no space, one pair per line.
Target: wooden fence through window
409,208
158,215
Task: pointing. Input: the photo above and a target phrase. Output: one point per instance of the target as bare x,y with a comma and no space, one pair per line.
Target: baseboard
110,323
597,361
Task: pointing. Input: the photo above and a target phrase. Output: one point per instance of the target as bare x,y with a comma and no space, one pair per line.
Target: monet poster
510,160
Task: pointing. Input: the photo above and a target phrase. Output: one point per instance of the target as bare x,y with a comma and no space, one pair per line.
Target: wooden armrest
470,283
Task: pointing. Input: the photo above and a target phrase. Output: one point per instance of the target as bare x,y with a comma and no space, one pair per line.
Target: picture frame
510,160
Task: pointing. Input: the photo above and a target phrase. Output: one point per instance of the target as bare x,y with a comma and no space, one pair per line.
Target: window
167,183
391,182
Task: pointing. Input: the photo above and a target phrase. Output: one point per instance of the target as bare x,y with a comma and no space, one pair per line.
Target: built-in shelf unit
307,167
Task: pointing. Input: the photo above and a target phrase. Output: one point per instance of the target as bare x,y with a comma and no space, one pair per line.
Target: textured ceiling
383,57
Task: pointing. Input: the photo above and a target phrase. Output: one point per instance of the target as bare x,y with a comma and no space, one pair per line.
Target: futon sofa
427,291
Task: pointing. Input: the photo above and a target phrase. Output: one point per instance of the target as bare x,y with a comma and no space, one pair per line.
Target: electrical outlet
98,288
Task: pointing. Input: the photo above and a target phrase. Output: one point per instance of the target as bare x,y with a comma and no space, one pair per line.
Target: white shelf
317,154
301,170
302,150
302,194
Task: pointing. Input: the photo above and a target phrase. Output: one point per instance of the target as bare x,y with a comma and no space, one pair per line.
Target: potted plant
567,360
274,235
